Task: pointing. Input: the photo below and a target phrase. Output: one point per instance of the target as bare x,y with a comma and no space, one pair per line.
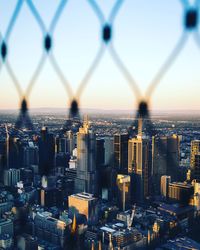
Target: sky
144,34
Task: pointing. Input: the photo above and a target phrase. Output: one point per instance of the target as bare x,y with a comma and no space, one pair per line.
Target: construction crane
130,218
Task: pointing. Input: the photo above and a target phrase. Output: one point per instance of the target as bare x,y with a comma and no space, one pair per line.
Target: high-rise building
50,197
84,204
46,152
100,152
3,157
139,166
66,144
181,192
195,149
11,177
86,160
15,153
31,156
50,229
164,185
196,167
109,150
165,159
121,153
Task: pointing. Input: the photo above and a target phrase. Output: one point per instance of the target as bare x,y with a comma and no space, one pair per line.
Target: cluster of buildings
79,190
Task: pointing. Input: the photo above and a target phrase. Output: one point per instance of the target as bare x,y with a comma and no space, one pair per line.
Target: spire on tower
74,226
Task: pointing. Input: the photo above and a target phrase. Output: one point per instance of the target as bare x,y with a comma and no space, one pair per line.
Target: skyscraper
11,177
31,156
165,158
100,152
15,152
46,152
195,149
121,153
196,167
109,150
86,160
139,165
195,159
84,204
164,185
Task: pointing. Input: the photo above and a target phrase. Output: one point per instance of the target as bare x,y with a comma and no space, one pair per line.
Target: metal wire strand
197,38
97,10
37,16
57,15
13,19
36,74
115,10
60,74
167,64
125,72
14,79
185,3
90,71
1,63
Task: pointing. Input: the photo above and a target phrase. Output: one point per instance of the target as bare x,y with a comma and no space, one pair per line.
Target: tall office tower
46,152
164,185
165,159
139,166
86,160
50,197
100,152
11,177
3,158
196,167
66,143
31,155
15,153
195,149
84,204
109,150
121,153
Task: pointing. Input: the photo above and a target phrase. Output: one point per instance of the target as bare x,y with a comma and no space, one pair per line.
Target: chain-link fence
106,43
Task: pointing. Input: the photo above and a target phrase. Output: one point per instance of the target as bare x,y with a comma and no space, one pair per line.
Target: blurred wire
97,11
166,66
35,75
61,76
191,22
13,19
37,16
14,79
90,71
125,72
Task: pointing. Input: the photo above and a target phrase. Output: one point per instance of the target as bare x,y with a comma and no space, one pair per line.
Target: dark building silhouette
165,159
100,152
121,153
181,192
31,156
46,152
196,167
15,153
